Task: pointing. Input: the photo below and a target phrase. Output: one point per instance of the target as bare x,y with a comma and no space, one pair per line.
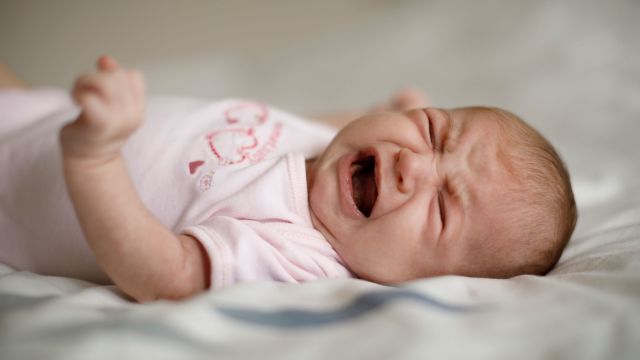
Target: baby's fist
112,102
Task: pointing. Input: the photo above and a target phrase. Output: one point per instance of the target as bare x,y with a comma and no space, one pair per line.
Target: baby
211,194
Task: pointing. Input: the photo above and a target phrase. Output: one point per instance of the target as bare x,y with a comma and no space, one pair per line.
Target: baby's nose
413,170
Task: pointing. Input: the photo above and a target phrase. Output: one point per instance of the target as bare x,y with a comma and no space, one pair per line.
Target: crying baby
168,197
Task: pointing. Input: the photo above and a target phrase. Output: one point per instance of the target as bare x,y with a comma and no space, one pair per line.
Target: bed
588,307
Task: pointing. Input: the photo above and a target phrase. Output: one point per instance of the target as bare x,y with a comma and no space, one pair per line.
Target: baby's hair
548,220
540,204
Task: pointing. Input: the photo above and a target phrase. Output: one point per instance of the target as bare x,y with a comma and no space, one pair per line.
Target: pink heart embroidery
194,165
231,146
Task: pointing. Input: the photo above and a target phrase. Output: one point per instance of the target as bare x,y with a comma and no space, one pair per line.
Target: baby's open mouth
363,182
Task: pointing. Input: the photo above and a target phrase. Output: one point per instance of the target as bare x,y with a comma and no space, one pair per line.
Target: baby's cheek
396,232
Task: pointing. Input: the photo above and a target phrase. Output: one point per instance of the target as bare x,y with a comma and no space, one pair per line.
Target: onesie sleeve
249,251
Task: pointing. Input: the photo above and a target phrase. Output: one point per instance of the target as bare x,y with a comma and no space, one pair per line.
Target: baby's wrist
80,155
78,148
74,161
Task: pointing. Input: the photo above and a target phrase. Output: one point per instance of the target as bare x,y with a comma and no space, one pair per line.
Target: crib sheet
587,308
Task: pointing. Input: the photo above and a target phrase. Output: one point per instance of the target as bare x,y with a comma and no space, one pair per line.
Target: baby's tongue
364,191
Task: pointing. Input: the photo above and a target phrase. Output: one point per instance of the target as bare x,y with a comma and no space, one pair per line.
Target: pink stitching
263,113
269,146
240,151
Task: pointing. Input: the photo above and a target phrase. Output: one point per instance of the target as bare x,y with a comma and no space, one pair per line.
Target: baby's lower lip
345,187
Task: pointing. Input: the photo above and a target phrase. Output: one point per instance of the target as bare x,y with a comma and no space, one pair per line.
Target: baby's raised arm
144,258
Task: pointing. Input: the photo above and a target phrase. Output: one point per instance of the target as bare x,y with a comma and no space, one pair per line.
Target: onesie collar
296,163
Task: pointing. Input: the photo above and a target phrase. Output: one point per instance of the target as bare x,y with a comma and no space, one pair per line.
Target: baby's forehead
510,207
509,133
504,123
481,115
494,185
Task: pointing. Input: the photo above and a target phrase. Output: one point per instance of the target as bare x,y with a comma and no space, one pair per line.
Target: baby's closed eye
432,135
442,209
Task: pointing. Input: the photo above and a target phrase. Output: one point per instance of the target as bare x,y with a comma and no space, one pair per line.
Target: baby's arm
144,258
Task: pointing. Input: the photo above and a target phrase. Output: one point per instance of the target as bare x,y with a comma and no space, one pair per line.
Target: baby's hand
112,102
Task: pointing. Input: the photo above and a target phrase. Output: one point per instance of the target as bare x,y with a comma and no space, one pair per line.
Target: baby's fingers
89,83
107,63
110,86
137,84
95,112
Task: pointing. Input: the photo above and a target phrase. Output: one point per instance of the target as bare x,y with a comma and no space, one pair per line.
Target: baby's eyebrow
456,185
454,129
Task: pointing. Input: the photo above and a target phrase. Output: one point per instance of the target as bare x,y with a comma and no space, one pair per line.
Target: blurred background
571,68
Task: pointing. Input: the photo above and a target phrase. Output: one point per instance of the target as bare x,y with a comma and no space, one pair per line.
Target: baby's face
408,195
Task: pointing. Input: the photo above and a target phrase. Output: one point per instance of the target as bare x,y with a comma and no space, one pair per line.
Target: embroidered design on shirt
230,146
251,137
249,114
269,145
194,165
205,181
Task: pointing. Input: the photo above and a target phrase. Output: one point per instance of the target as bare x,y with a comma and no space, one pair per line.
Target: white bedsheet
587,308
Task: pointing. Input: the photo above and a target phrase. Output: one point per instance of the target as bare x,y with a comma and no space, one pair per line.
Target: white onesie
230,173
